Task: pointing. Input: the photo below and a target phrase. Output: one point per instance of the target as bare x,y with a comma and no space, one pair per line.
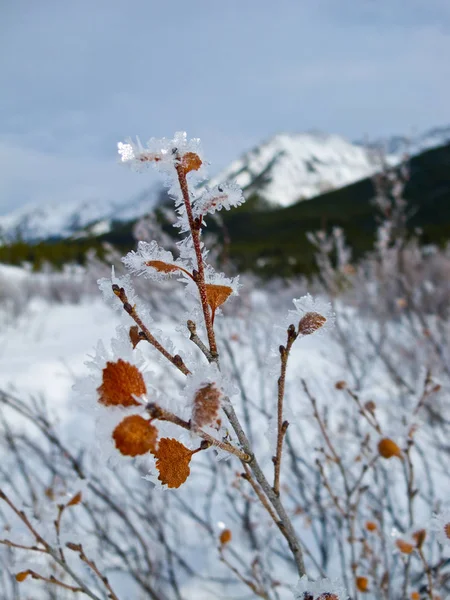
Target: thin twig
156,412
131,310
282,425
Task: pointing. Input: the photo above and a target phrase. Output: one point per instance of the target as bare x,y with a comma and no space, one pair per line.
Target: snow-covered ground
43,351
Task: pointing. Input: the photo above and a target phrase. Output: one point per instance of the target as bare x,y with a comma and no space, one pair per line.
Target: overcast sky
77,76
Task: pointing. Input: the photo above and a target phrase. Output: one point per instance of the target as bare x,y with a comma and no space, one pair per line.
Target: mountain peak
297,166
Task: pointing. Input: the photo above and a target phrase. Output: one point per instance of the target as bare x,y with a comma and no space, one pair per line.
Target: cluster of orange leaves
135,435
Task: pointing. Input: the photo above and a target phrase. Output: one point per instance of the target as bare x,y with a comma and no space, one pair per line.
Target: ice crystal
309,305
105,285
163,153
221,196
440,524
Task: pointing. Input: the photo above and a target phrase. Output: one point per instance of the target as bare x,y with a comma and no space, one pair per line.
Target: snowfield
43,351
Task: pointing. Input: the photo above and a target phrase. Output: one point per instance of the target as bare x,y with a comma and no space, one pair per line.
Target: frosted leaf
204,374
307,305
440,524
213,277
86,388
221,196
153,262
407,542
108,419
329,589
163,153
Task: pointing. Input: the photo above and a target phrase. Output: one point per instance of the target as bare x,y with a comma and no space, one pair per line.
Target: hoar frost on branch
158,425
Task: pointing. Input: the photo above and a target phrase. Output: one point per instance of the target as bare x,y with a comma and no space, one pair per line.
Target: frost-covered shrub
332,473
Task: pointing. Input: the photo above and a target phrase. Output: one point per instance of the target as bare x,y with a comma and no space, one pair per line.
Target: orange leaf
120,382
217,295
404,547
387,448
75,500
362,583
135,436
22,575
225,537
447,530
206,405
172,462
162,266
310,323
415,596
134,336
419,537
191,162
371,526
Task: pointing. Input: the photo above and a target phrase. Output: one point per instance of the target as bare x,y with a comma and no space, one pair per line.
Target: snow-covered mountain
292,167
399,145
282,170
56,220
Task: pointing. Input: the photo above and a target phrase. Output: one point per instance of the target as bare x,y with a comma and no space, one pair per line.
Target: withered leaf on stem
121,382
387,448
310,323
172,462
162,266
404,547
135,436
22,575
362,583
191,162
75,500
419,537
216,295
225,537
134,336
206,405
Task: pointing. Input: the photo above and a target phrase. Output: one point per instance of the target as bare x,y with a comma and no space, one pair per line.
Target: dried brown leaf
447,530
217,295
172,462
191,162
371,526
419,537
404,547
134,336
225,537
362,583
135,436
75,500
121,381
22,575
206,405
387,448
310,323
162,266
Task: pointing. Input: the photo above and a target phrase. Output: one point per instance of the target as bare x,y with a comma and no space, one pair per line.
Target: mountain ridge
286,168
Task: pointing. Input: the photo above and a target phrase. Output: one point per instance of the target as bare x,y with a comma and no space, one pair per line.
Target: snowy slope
291,167
34,222
399,145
